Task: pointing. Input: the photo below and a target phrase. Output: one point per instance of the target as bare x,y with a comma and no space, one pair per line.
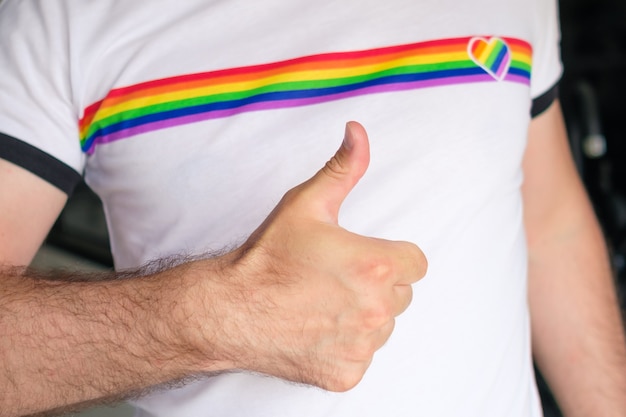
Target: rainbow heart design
493,55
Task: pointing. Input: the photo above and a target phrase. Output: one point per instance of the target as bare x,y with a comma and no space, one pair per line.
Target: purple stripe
517,79
269,105
504,64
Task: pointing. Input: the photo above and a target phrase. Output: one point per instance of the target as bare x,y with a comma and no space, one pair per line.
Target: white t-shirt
195,117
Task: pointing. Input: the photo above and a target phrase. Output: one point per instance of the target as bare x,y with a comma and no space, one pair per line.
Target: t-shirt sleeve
38,121
546,65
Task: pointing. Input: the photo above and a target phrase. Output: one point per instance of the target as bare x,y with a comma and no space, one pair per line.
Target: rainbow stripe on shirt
174,101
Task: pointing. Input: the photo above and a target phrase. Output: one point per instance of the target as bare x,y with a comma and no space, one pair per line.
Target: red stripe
277,65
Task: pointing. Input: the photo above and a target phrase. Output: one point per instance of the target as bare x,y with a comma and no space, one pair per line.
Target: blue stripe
275,96
499,58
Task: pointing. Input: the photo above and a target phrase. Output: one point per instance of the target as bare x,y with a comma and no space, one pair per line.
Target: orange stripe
315,62
304,66
478,48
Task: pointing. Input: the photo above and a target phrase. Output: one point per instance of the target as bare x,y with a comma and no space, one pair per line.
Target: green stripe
521,65
270,88
494,54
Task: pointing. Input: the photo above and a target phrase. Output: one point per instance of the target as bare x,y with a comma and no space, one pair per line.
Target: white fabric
445,173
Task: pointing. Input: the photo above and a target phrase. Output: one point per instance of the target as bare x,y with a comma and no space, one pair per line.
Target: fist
313,302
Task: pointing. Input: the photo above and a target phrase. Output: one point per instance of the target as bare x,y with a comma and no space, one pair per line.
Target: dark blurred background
594,83
594,56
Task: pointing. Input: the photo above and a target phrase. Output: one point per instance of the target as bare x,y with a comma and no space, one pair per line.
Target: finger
403,295
367,344
383,334
326,191
413,261
409,264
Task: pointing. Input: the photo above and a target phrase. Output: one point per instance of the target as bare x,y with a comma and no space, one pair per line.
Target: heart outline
503,69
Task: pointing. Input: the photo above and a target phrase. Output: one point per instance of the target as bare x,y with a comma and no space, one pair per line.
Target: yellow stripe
313,75
524,58
488,50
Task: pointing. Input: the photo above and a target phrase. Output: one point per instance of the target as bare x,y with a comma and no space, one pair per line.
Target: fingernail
347,138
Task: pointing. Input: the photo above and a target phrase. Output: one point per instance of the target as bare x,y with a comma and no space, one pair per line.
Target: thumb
330,186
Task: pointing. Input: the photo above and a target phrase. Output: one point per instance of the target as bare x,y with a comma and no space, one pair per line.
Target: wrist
209,290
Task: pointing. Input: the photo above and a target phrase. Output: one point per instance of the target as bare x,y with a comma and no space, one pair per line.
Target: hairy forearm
66,342
578,336
302,299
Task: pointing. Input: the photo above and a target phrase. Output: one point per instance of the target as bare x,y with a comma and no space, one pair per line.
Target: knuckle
335,168
290,196
384,268
363,352
376,317
346,380
377,270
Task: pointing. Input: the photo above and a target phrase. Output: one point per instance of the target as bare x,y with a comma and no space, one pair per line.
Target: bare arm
69,343
578,336
29,221
65,343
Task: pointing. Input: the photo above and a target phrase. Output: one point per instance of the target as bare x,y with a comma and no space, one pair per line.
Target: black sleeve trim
39,163
541,103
